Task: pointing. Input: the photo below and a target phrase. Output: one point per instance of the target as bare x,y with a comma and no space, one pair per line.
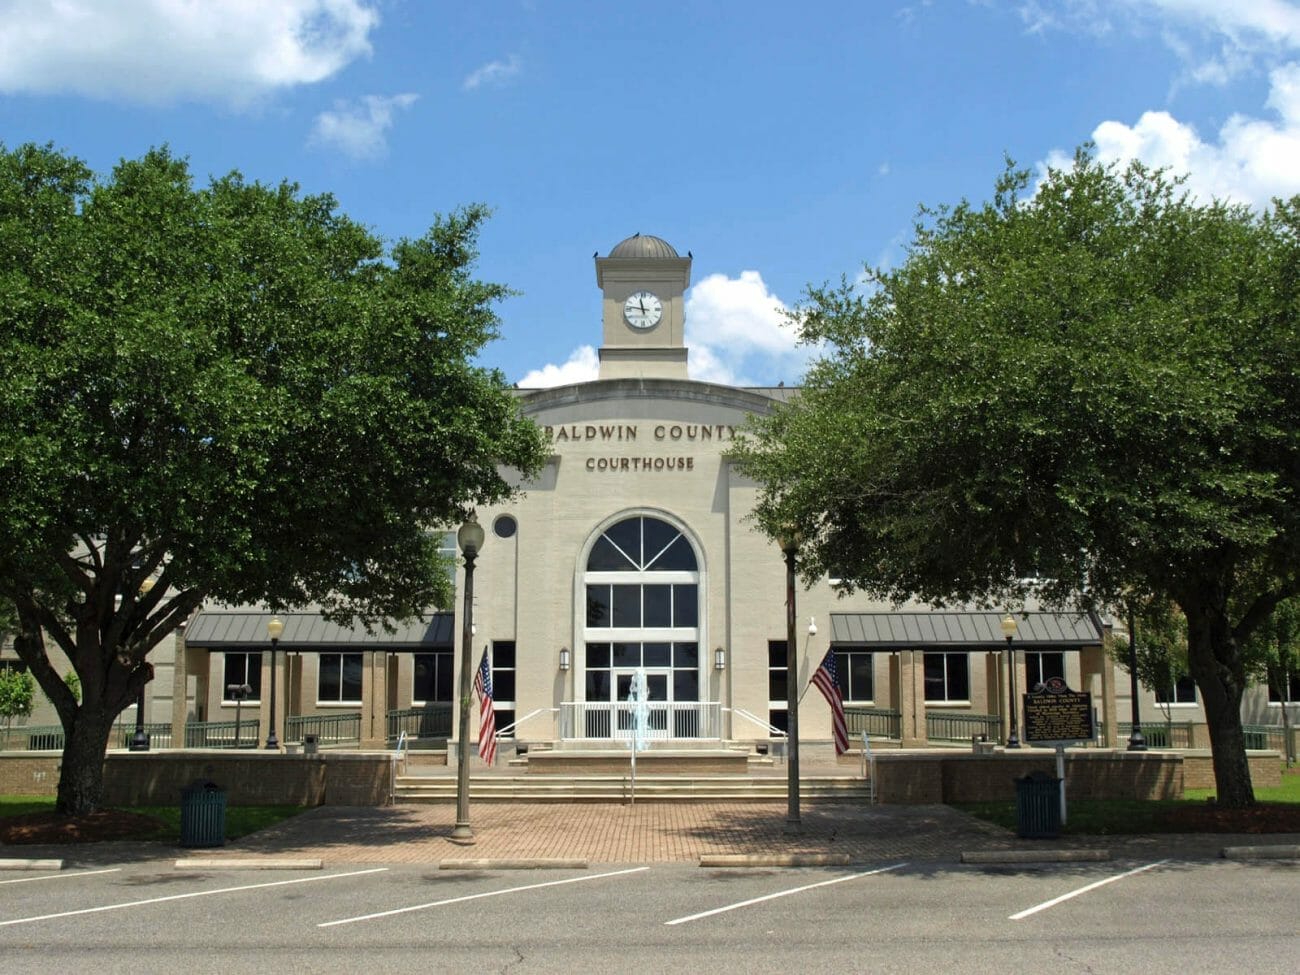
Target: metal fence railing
159,732
875,722
1160,734
962,726
223,734
423,723
663,720
329,729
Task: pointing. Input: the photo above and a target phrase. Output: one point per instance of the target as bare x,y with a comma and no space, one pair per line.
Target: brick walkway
664,832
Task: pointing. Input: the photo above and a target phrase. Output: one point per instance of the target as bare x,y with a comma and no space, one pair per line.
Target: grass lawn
240,820
1115,817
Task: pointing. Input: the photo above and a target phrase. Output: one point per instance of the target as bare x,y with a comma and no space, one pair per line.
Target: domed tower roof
643,246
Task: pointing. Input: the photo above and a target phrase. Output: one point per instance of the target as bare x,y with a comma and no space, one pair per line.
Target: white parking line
781,893
474,897
1083,890
181,897
60,876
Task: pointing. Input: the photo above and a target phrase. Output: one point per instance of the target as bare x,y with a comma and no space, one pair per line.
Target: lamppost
274,627
1136,741
1009,631
140,740
789,540
470,540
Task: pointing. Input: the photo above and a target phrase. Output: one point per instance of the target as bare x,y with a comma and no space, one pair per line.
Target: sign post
1056,715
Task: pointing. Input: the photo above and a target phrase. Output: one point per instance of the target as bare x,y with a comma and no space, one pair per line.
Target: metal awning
964,630
243,630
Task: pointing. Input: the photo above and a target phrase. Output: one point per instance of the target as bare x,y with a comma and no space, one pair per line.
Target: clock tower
643,281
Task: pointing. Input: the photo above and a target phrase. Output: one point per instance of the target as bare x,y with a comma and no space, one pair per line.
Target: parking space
1174,915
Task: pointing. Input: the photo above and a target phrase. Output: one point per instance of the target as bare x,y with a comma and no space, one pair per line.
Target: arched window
642,611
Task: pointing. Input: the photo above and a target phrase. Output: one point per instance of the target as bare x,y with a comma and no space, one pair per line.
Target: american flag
487,716
825,680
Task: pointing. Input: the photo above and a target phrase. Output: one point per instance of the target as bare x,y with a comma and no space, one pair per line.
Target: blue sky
781,143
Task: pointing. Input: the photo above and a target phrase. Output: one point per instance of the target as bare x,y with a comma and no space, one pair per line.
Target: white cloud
494,73
359,127
738,333
229,51
583,366
1251,161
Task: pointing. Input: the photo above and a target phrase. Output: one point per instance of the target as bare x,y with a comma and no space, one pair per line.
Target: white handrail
503,732
771,729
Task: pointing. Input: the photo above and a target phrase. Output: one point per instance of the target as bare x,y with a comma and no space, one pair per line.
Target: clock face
642,310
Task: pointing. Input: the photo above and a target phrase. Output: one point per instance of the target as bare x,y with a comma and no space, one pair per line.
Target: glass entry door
657,684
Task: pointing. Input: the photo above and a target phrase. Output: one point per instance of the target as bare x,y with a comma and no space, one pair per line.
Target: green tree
17,689
1161,647
233,390
1094,384
1275,647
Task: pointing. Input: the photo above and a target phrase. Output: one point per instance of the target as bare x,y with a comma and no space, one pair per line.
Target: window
503,683
240,669
1275,698
777,677
1183,692
1040,666
641,611
17,666
433,678
947,678
340,678
853,673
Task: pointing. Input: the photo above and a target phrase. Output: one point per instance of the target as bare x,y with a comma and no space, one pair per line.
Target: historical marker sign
1056,714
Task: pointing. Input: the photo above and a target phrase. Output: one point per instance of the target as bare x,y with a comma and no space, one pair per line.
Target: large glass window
503,683
1183,691
1294,692
853,673
1040,666
947,678
340,678
641,612
242,670
777,675
433,678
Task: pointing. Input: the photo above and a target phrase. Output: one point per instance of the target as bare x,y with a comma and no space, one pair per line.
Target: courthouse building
633,552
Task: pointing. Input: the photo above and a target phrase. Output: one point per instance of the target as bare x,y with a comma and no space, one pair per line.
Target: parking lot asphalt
643,833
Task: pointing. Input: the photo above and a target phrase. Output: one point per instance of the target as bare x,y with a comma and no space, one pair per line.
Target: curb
514,863
1260,852
1036,856
776,860
17,864
204,863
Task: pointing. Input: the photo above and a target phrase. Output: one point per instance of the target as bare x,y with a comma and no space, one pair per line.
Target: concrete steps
617,788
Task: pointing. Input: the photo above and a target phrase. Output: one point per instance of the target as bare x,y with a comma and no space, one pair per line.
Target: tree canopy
1077,392
236,391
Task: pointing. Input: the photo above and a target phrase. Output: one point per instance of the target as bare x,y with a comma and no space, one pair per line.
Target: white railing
665,720
509,730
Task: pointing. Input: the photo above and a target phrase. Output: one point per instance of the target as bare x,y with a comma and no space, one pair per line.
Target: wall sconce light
719,659
812,625
564,658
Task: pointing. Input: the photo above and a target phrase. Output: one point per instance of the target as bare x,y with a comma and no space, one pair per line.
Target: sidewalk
681,832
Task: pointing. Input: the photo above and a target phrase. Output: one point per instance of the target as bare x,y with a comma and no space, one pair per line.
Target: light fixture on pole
274,627
470,539
1009,631
140,740
1136,740
719,659
565,659
790,540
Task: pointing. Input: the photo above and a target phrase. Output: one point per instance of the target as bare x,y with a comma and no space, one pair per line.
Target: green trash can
203,815
1038,807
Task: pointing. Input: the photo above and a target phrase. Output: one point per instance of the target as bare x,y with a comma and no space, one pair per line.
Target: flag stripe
825,680
487,717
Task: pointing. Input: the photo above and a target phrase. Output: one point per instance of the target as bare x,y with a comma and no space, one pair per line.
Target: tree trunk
1217,667
81,779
